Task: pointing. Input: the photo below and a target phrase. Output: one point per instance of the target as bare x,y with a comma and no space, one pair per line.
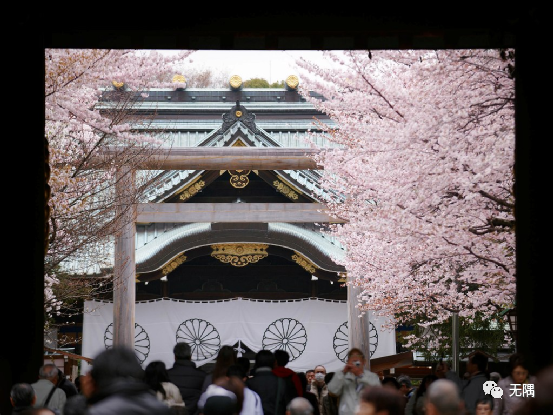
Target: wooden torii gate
215,158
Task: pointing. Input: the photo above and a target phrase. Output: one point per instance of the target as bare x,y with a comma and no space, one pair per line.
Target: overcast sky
270,65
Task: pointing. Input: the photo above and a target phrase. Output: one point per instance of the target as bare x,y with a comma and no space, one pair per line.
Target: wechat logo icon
490,387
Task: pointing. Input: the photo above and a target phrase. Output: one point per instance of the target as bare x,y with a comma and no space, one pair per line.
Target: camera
357,363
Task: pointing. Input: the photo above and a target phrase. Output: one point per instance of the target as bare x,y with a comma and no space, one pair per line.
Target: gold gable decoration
191,189
304,262
173,264
239,255
286,190
238,143
239,178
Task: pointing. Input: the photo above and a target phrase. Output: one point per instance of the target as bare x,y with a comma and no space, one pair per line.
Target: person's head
328,377
61,376
320,373
518,368
225,358
542,402
442,398
264,358
282,357
495,376
299,406
245,363
182,351
390,382
484,406
356,357
374,400
22,394
237,371
118,362
478,362
220,405
154,374
49,371
405,384
425,383
303,379
310,375
77,383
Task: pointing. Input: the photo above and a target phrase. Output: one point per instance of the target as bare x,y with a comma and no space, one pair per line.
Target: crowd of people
118,384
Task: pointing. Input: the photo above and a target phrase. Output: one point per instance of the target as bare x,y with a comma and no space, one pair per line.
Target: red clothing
284,372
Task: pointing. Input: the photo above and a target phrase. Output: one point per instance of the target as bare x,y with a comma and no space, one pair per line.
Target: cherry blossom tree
85,211
425,171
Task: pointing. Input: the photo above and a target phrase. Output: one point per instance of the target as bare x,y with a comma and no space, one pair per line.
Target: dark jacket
293,383
126,397
19,409
68,387
312,398
471,390
189,380
271,389
330,405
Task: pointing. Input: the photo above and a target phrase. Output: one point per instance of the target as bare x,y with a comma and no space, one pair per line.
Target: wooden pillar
124,285
358,326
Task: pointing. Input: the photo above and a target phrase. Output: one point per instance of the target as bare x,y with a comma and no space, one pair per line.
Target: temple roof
224,118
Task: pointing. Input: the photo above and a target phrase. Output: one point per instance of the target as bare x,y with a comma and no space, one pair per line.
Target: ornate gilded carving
286,190
117,84
239,178
180,82
235,82
239,255
238,113
343,277
304,262
173,264
179,78
292,81
238,142
191,189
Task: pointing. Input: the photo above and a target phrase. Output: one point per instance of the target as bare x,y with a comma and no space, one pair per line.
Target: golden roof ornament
240,254
179,81
235,82
117,85
179,78
292,82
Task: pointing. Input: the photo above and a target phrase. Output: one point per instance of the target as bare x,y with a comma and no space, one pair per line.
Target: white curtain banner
313,331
